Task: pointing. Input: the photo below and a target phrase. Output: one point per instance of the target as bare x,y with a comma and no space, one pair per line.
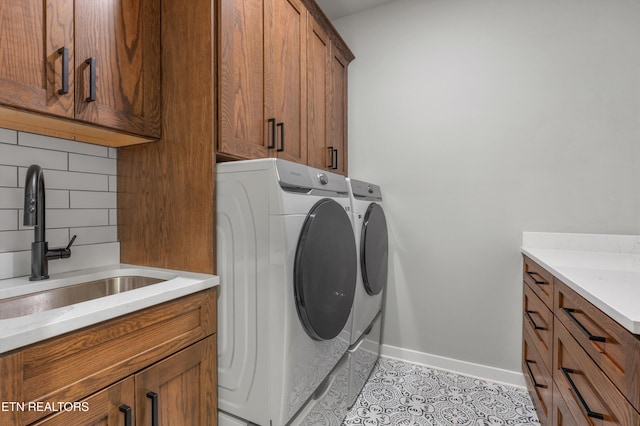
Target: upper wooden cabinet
36,44
262,79
282,93
92,61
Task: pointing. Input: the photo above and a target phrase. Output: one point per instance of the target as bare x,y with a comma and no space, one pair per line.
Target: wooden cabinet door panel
31,34
105,408
241,87
540,281
538,378
337,121
184,386
285,76
318,49
123,38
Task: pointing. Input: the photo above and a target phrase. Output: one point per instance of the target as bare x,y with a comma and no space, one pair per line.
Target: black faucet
34,209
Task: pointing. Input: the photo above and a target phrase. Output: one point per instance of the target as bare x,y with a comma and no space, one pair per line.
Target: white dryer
287,263
370,230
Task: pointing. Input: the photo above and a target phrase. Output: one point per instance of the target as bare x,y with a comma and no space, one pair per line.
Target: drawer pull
126,410
569,312
533,379
64,51
536,281
533,323
91,62
574,389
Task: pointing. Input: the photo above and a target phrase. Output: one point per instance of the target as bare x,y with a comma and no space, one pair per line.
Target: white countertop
604,269
22,331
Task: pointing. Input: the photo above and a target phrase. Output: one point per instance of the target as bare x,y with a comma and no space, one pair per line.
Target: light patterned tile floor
399,393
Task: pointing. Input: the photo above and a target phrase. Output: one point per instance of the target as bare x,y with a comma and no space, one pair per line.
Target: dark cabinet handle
574,389
533,379
127,414
281,125
272,127
330,149
65,70
533,323
335,162
539,282
92,79
592,337
154,407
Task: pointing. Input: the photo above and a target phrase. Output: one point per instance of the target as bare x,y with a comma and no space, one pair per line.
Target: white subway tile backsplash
86,163
95,234
56,179
77,218
8,220
8,136
81,198
56,144
8,175
21,240
15,240
89,199
11,198
15,155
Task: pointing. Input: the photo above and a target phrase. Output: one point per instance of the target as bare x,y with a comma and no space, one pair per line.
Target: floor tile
403,394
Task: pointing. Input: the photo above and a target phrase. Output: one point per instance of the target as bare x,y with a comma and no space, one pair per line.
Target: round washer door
325,270
374,250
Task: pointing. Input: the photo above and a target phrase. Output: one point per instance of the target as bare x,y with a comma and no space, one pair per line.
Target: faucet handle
71,242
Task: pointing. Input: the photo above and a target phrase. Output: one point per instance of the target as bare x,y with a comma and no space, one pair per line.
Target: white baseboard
493,374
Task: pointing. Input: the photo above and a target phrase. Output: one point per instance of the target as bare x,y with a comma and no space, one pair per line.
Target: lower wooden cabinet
580,366
156,367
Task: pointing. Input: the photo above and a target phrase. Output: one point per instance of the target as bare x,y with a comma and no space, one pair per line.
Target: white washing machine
370,230
287,263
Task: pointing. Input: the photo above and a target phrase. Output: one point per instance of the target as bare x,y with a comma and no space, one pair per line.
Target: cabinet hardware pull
574,389
533,323
272,126
281,125
335,164
127,414
533,379
92,79
65,70
154,407
592,337
539,282
330,148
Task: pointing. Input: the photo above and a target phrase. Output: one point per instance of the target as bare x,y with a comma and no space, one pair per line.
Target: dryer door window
374,250
325,270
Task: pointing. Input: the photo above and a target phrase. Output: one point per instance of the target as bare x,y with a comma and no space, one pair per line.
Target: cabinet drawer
611,346
561,414
589,395
540,281
538,322
538,379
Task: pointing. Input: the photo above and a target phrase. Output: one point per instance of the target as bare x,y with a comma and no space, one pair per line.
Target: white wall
80,181
482,119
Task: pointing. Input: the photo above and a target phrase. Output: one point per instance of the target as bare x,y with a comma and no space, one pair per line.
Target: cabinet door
121,89
241,88
319,154
31,74
337,122
285,77
181,390
110,407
